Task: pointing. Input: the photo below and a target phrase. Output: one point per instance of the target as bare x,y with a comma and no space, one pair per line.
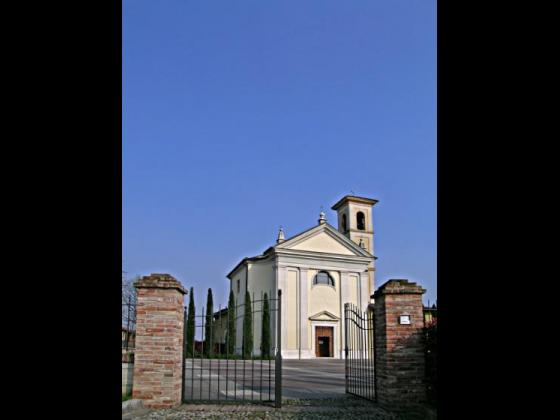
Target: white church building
318,271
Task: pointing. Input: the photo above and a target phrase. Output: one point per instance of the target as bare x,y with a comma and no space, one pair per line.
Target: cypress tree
190,325
247,328
265,336
208,331
231,323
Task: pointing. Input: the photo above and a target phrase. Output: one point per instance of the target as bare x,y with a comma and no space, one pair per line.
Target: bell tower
355,221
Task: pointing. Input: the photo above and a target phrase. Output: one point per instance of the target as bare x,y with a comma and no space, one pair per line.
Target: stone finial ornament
280,238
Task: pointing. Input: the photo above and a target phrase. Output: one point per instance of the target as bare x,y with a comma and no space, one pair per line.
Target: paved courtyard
313,378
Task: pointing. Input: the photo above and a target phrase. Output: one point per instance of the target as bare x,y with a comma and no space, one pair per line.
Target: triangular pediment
324,316
325,239
323,242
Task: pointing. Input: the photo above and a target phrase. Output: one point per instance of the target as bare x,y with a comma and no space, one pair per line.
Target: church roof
244,260
221,313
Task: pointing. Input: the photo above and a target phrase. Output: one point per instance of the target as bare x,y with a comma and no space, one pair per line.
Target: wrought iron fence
221,366
359,352
430,346
128,326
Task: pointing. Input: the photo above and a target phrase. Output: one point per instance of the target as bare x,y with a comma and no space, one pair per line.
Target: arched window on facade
344,229
361,219
322,277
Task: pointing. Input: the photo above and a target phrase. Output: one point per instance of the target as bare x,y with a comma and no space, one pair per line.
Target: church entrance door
324,341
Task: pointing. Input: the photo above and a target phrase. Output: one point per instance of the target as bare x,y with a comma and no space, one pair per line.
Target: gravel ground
332,409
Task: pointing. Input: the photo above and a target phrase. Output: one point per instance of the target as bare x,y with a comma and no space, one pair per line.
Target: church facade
318,271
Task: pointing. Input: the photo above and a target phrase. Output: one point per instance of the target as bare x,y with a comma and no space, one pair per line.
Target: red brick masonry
399,348
159,341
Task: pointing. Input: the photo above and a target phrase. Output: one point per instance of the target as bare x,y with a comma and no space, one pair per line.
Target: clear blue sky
240,116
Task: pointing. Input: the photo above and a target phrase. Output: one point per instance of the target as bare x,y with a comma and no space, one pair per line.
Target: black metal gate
229,365
359,352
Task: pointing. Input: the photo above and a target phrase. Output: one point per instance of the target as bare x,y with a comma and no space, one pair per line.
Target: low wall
127,374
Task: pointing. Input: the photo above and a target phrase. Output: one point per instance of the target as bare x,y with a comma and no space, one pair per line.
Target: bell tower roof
354,199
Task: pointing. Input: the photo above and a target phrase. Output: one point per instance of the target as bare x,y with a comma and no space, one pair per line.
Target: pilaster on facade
364,290
303,311
371,274
281,276
293,328
273,305
343,300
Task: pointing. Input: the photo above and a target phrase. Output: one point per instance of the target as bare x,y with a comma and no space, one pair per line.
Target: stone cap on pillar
399,287
160,281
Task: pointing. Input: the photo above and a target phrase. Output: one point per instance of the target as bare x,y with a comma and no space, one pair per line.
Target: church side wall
261,281
310,298
239,300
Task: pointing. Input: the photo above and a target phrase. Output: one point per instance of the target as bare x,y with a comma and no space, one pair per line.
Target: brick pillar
159,341
399,348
